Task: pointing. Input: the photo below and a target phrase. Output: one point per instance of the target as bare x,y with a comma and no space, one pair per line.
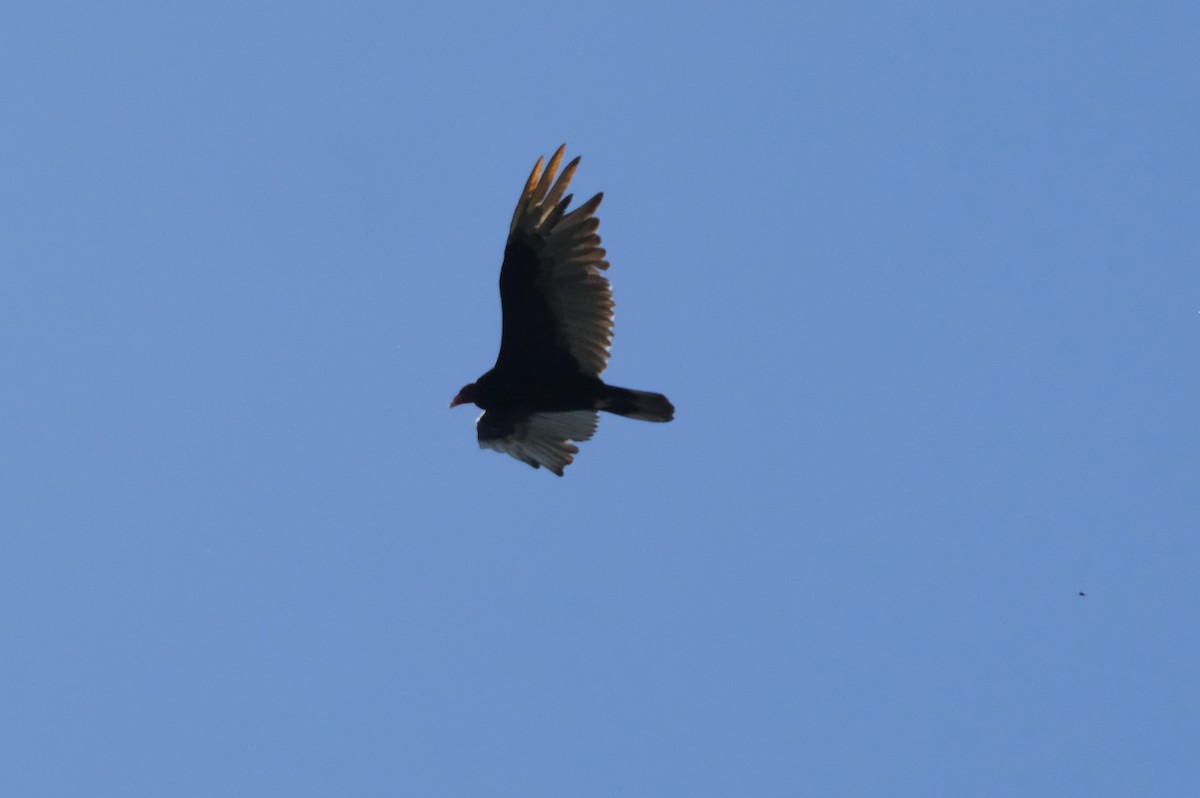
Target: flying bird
545,390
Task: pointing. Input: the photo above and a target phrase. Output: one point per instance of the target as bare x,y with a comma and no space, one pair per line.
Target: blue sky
921,281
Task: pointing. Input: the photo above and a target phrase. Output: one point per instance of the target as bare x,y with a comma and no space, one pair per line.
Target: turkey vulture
545,389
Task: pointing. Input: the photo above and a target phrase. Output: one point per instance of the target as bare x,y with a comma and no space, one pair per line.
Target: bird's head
467,394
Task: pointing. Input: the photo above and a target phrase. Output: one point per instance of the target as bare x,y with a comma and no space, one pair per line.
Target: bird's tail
642,405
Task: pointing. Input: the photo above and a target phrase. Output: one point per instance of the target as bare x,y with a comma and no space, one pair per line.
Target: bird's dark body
550,390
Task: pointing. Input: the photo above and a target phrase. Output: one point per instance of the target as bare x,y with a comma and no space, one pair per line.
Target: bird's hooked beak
467,394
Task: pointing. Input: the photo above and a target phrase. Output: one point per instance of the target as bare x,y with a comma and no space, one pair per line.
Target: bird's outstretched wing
557,305
540,439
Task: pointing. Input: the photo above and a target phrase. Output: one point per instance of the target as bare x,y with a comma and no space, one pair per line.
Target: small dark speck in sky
1082,593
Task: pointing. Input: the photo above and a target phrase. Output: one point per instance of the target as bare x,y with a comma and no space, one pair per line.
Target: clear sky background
923,283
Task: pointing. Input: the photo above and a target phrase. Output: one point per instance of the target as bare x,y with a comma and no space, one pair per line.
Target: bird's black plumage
545,389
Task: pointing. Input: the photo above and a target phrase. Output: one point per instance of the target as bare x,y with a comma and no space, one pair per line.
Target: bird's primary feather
552,292
540,439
